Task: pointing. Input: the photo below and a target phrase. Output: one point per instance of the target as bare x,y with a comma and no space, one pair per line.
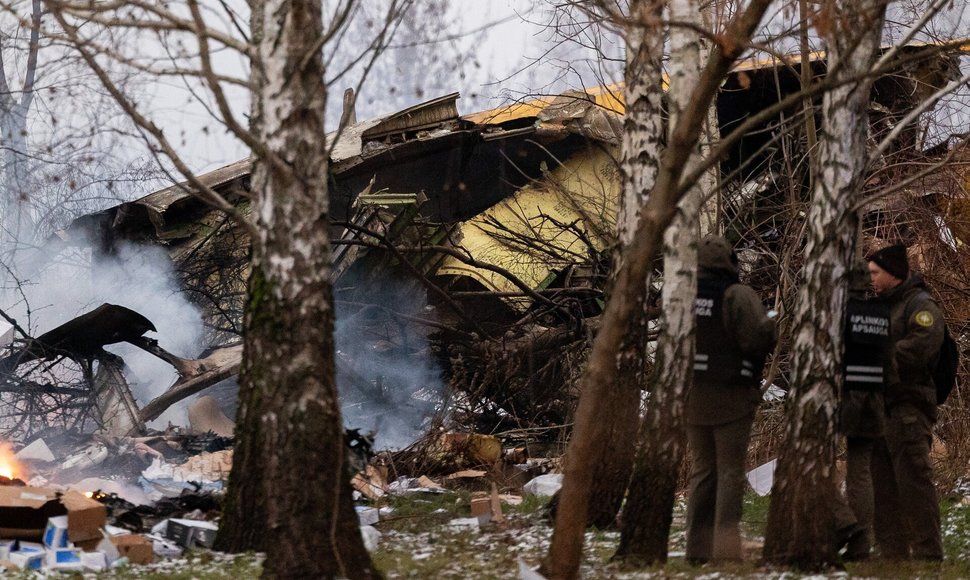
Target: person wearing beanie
734,335
907,511
890,260
861,410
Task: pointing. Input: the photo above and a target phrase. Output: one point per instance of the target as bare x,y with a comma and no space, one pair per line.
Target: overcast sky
490,52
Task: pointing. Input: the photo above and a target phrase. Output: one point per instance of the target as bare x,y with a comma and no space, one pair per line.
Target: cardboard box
24,512
190,533
87,545
481,505
27,556
85,516
67,559
135,547
55,535
21,546
27,560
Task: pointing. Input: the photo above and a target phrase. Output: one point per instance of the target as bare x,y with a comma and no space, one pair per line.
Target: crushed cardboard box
24,513
136,547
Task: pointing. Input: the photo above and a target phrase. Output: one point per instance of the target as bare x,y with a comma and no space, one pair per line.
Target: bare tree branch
202,191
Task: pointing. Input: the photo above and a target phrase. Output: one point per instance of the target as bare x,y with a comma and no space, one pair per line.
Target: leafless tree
289,429
798,533
655,215
58,136
649,507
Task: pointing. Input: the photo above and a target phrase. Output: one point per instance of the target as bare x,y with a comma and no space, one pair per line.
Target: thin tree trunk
289,491
649,508
799,521
588,440
17,220
642,133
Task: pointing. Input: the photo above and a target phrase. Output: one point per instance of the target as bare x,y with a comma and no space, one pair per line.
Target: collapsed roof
496,207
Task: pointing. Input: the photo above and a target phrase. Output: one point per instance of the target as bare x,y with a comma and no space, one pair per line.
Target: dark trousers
859,490
907,510
716,489
856,508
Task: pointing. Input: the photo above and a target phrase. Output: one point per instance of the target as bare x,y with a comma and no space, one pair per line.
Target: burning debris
156,492
89,457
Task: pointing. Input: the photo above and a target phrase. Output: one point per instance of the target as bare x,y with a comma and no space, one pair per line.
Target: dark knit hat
716,253
892,259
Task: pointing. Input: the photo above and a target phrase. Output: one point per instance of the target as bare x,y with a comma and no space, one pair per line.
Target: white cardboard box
55,534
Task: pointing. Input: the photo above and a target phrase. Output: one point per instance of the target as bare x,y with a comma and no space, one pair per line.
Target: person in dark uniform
733,337
861,410
907,511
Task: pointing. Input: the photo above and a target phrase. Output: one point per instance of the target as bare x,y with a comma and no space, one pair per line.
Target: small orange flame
9,466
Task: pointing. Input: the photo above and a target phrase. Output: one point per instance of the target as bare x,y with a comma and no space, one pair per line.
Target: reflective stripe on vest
717,358
866,344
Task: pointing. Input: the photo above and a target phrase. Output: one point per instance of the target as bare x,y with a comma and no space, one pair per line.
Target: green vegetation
419,512
754,518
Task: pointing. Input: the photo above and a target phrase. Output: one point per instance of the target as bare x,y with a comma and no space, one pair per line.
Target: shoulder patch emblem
924,318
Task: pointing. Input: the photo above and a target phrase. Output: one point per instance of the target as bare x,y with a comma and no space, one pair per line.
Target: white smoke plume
388,381
137,277
387,378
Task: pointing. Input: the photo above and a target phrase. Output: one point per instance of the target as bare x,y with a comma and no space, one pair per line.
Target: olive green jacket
748,325
916,335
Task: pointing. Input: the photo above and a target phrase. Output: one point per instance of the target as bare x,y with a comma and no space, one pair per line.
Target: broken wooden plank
220,365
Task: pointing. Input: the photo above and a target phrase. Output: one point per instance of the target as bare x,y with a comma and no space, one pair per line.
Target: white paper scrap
762,477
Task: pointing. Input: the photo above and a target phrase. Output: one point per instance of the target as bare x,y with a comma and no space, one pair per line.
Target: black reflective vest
717,358
866,344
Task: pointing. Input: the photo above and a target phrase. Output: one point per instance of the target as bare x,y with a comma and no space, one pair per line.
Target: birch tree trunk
642,131
17,220
589,435
289,493
649,507
800,521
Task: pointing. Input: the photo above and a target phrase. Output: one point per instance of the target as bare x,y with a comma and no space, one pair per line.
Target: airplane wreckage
503,219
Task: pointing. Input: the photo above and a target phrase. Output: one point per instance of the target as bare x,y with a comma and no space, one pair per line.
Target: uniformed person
861,409
734,335
907,516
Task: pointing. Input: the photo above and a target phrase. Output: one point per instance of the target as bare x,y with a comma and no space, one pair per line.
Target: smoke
388,381
138,277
